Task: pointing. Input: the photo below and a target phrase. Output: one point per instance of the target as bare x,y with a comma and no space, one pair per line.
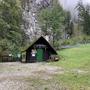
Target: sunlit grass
75,81
78,57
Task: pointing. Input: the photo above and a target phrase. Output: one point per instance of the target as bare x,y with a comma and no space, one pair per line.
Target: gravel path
12,74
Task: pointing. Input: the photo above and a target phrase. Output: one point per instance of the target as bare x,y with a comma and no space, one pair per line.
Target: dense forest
49,17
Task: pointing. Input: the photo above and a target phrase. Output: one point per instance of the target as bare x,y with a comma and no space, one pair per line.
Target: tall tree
84,17
10,25
52,18
68,25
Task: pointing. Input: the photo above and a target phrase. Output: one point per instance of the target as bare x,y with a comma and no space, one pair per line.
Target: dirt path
13,76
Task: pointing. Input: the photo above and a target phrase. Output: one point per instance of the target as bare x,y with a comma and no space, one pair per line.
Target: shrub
68,42
57,45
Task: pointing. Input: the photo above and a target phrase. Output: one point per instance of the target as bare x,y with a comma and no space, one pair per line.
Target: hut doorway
40,55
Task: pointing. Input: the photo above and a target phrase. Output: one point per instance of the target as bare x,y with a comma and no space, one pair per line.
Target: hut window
33,52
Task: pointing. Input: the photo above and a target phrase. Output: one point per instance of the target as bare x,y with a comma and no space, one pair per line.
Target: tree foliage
52,18
10,25
69,26
84,17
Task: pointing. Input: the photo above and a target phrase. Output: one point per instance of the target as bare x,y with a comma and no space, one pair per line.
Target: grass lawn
78,57
76,63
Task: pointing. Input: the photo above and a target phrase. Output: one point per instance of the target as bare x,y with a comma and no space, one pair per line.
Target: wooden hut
40,51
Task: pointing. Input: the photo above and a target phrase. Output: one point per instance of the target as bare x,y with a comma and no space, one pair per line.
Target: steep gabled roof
42,40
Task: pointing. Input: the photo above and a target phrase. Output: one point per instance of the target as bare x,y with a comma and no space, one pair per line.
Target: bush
68,42
82,39
79,39
57,44
86,39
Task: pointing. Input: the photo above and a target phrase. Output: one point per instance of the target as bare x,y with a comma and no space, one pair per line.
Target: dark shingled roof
42,41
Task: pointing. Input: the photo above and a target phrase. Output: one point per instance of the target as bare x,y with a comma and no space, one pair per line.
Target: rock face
30,10
29,19
43,3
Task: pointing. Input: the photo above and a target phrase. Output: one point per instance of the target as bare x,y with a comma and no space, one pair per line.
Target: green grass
77,58
75,81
